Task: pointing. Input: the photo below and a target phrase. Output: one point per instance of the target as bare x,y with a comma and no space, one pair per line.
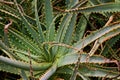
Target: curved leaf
107,7
23,65
97,34
73,58
49,72
90,71
38,23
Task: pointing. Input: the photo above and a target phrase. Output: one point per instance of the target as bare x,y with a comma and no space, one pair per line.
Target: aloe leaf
31,20
23,65
9,9
94,2
70,29
107,7
14,14
23,75
49,72
6,41
33,33
117,1
24,56
83,76
106,1
8,68
14,70
49,20
1,30
62,29
97,34
69,33
38,23
22,39
9,14
48,13
97,72
73,58
22,53
89,71
80,29
110,43
51,31
5,49
68,70
72,3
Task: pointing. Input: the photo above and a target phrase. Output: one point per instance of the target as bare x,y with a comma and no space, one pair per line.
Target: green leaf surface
62,29
73,58
22,40
8,68
49,72
48,13
38,23
33,33
107,7
24,65
97,34
90,71
80,28
69,32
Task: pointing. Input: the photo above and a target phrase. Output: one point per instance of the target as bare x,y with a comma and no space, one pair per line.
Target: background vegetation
60,39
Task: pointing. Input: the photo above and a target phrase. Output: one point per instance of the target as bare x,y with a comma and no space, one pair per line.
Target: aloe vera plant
37,49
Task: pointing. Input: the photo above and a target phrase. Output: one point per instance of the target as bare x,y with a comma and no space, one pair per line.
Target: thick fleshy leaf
97,34
23,65
38,23
73,58
108,7
49,72
90,71
29,27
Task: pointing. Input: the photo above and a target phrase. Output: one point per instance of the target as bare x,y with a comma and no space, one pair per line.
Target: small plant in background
42,40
